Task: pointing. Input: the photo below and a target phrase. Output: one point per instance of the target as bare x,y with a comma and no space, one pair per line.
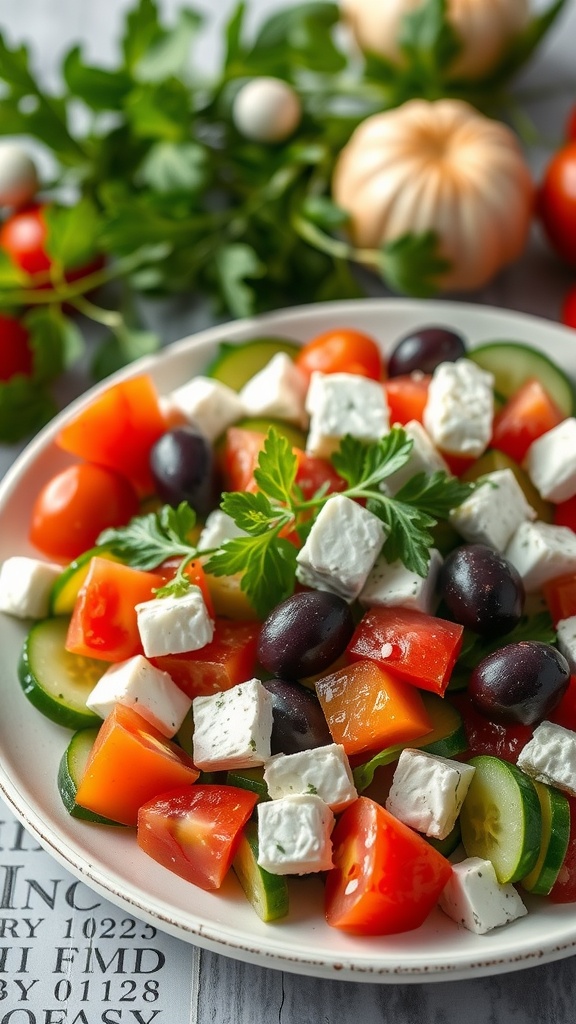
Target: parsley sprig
267,559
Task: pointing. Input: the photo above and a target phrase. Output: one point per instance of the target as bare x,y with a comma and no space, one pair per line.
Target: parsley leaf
366,464
148,540
267,564
277,467
435,494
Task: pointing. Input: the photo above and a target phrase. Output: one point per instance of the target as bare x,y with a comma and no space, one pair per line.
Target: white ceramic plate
109,859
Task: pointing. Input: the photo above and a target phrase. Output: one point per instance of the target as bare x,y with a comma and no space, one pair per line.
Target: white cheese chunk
25,586
424,458
428,791
493,512
278,391
137,684
551,462
460,408
209,404
218,528
474,898
341,548
294,835
392,585
566,640
174,625
344,403
323,771
540,552
550,756
232,729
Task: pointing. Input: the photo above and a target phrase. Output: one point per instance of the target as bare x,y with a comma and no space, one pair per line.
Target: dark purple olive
424,350
182,467
305,634
482,590
521,682
298,721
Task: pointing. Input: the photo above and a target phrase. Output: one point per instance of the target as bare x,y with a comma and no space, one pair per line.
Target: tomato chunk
419,648
525,417
118,430
194,831
228,660
104,623
386,877
560,597
240,458
341,350
367,709
407,397
565,513
487,737
130,763
565,712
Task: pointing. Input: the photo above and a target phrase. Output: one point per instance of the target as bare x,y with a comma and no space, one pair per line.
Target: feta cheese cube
341,548
424,458
218,528
278,391
428,791
343,403
551,462
391,585
232,729
474,898
294,835
174,625
137,684
460,408
550,756
25,586
541,551
493,512
566,640
324,772
209,404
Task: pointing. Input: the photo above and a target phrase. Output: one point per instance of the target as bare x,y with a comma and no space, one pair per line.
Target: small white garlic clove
18,175
266,110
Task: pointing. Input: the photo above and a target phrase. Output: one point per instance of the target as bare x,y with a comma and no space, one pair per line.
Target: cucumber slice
65,588
501,820
513,363
267,893
249,778
70,771
234,365
555,834
294,435
446,739
55,681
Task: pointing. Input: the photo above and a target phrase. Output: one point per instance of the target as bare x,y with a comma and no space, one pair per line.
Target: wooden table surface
228,991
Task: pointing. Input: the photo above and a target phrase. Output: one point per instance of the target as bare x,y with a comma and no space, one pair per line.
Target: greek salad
314,611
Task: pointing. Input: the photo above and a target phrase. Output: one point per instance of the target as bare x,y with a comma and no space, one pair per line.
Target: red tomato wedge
386,878
104,622
487,737
565,712
368,709
240,458
130,763
342,350
407,397
560,595
118,430
525,417
420,649
194,831
228,660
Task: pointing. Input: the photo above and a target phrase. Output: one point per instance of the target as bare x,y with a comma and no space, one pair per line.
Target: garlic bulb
485,28
439,166
266,110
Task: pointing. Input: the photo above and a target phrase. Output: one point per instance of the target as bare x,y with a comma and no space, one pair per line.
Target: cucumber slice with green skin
555,834
267,893
249,778
501,820
55,681
236,364
65,588
446,739
70,771
294,435
514,363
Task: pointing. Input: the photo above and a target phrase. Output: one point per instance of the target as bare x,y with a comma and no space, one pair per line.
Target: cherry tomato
15,353
557,202
568,313
342,350
76,505
23,236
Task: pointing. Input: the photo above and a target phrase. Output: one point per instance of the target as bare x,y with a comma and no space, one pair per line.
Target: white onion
266,110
